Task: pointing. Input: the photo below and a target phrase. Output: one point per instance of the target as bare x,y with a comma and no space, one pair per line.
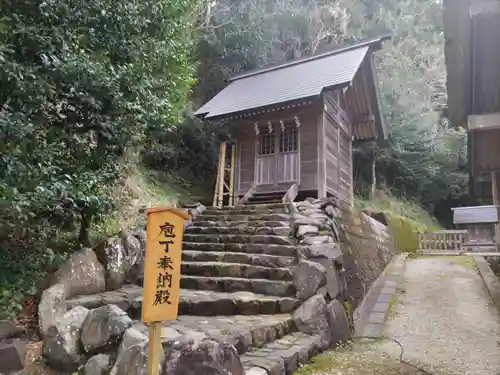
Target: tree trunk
84,237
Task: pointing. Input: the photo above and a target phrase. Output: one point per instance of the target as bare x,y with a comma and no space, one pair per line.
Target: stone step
273,231
283,356
234,284
247,271
246,210
239,238
242,331
261,207
252,223
264,199
248,248
243,217
263,260
192,302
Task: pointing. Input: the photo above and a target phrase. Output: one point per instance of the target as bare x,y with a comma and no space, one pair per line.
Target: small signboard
162,264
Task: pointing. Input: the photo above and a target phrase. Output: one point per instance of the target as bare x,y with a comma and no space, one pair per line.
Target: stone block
338,322
62,347
8,330
377,318
12,355
98,365
52,307
381,307
104,328
202,357
307,230
311,316
308,277
81,274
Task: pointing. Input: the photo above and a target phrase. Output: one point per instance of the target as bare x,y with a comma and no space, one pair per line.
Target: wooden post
219,176
231,175
494,193
222,172
154,348
162,275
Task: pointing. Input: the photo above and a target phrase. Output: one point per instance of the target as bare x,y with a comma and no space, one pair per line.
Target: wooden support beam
231,175
484,122
222,165
219,177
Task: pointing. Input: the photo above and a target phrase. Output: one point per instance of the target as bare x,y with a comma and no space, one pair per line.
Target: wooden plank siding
338,147
308,150
306,173
245,168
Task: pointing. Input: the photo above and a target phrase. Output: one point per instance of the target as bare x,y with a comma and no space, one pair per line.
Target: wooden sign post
162,275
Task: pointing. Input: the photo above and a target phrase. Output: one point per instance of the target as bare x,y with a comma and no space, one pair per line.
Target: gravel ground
445,319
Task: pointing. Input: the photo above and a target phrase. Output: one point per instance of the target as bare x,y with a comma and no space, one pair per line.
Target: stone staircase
236,286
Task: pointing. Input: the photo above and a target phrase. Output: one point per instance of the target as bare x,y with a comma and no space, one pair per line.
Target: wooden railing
442,240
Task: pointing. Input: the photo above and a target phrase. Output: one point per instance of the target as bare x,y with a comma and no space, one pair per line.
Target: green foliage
83,83
425,158
19,272
404,232
190,148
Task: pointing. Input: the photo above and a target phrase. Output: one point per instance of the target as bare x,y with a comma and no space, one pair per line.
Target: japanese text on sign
162,264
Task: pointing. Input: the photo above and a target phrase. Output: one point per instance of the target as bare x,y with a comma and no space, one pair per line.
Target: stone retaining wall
342,251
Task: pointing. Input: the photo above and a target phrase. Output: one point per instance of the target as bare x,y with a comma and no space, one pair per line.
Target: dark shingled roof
292,81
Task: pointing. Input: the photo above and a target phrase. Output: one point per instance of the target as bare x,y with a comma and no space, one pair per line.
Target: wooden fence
442,240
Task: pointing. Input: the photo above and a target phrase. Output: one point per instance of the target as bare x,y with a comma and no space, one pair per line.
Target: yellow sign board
162,264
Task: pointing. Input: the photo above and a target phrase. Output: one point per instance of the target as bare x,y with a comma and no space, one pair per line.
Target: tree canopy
82,84
425,159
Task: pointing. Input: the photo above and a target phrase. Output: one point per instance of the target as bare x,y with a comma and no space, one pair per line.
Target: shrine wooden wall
338,147
310,118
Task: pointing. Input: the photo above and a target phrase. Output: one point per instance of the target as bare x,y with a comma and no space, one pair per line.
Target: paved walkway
444,318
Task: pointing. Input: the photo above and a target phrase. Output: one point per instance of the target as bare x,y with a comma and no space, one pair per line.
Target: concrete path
444,318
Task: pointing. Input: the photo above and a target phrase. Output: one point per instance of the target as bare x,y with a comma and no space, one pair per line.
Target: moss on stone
319,363
360,359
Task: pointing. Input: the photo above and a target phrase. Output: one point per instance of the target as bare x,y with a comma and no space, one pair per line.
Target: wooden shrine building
472,49
472,35
294,124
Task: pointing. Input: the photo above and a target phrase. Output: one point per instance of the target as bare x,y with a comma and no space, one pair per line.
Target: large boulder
104,327
81,274
308,277
121,256
333,286
98,365
338,322
62,347
134,247
311,316
322,251
207,357
132,337
134,361
52,307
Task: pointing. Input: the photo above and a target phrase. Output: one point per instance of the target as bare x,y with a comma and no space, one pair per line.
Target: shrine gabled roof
296,80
